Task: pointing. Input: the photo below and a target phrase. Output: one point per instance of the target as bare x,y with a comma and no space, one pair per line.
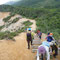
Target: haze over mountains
10,3
37,3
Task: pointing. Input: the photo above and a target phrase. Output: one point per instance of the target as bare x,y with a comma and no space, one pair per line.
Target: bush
27,23
8,18
15,20
1,27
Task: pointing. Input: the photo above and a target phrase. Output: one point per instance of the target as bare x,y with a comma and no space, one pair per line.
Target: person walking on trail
39,33
53,44
29,37
44,48
49,37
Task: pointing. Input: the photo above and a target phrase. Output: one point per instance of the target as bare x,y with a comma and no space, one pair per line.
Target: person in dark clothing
49,37
54,45
29,38
54,50
39,33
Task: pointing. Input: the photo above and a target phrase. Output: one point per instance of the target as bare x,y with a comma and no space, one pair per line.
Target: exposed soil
2,16
15,50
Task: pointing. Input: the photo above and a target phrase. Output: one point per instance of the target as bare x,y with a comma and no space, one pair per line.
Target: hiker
44,48
53,44
39,33
49,37
29,37
54,49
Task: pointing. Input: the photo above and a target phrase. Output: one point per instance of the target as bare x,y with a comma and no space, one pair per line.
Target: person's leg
28,44
40,37
31,42
56,51
47,51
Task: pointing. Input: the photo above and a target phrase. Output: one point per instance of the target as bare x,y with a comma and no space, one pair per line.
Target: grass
15,20
1,27
11,35
8,18
27,23
8,35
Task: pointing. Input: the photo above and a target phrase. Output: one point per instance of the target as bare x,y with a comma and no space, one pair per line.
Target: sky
5,1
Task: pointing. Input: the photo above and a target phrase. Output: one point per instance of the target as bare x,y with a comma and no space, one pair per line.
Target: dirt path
10,50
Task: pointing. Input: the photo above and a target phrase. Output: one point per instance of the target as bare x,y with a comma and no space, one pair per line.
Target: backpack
29,36
49,38
39,33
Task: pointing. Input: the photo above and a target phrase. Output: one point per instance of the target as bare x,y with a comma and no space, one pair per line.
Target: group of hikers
49,46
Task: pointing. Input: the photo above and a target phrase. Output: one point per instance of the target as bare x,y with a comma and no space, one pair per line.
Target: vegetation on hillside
27,23
39,3
15,20
1,27
47,18
10,35
8,17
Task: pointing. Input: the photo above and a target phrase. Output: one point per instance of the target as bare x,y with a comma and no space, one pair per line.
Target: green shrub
1,27
6,19
27,23
15,20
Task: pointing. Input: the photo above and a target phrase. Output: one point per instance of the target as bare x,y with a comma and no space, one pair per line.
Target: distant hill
6,8
10,3
38,3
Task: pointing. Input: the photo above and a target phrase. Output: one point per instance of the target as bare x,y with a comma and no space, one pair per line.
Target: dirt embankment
12,27
4,14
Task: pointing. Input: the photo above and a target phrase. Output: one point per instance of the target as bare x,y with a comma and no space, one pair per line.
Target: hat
51,33
29,29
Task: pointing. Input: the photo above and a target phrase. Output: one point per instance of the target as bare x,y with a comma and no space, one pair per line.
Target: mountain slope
39,3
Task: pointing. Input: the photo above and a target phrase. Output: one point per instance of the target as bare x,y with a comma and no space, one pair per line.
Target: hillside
12,49
13,24
39,3
48,20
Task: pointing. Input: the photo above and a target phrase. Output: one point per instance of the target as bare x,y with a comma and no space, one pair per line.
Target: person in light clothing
44,48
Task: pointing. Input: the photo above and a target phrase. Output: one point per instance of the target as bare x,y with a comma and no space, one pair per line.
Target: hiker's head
48,33
38,31
29,30
51,34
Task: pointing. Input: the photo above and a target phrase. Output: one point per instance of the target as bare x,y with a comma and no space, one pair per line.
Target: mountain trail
17,50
